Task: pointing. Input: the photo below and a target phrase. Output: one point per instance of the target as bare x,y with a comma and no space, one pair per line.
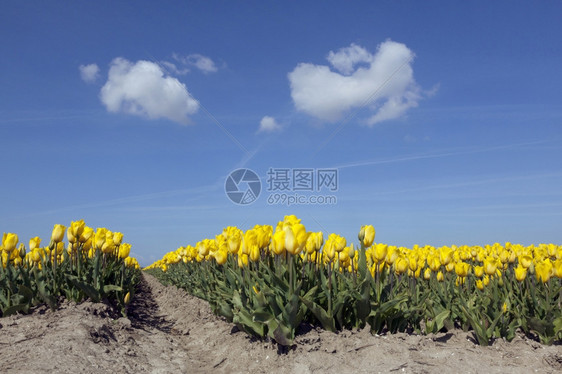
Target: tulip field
92,265
270,282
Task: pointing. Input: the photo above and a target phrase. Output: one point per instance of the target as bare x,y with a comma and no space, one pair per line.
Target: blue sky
443,119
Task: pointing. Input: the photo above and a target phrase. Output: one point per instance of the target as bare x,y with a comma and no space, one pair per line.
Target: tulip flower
124,250
74,231
99,237
278,243
9,242
117,238
87,233
490,266
462,268
520,273
544,270
34,243
221,256
401,265
525,261
445,255
58,233
367,235
380,252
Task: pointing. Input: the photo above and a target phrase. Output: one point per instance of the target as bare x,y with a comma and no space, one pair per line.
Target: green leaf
15,309
321,315
88,289
110,287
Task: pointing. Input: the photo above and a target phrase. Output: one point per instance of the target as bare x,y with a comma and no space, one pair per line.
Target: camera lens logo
242,186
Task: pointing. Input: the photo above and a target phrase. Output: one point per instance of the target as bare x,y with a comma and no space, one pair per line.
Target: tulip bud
58,233
9,242
367,235
124,250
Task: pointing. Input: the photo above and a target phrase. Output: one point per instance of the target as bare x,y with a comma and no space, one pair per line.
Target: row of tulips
268,282
92,265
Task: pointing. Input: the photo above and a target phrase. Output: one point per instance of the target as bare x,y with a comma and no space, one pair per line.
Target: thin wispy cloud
128,200
203,63
422,156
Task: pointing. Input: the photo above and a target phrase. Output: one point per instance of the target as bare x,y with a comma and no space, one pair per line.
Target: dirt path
169,331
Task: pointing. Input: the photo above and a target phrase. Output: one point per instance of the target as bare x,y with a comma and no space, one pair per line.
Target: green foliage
273,296
102,278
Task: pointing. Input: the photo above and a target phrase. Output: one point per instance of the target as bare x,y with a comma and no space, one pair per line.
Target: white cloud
203,63
143,89
269,124
384,82
345,59
89,73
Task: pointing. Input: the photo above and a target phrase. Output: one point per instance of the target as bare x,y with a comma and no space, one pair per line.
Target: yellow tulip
351,252
202,249
291,243
380,252
427,274
400,265
335,243
412,263
99,237
254,253
462,268
278,242
34,243
58,233
544,270
520,273
117,238
87,233
367,235
525,261
37,254
445,255
221,256
490,266
440,277
124,250
59,248
433,263
108,245
234,238
479,284
74,231
242,260
391,255
314,242
9,242
344,255
479,271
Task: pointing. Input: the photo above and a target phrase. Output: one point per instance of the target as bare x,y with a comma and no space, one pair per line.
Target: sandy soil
169,331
